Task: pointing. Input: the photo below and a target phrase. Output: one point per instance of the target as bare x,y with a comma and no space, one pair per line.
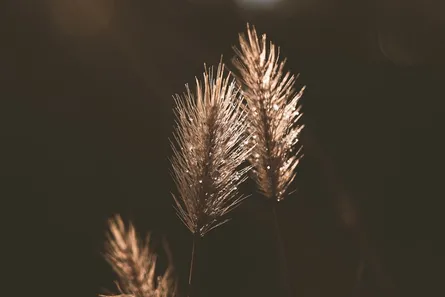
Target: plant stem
283,262
192,263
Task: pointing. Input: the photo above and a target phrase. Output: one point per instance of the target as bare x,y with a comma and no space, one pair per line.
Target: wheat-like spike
210,146
135,263
274,113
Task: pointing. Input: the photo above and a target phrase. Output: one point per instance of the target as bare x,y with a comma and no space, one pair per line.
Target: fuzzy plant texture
211,145
273,113
220,128
134,263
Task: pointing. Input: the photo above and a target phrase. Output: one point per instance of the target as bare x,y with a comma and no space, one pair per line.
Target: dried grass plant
274,113
134,261
210,147
254,117
274,120
215,133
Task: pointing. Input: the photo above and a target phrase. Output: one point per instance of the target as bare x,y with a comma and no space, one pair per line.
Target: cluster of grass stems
229,128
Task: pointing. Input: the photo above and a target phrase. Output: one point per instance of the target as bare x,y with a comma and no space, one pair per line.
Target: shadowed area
87,88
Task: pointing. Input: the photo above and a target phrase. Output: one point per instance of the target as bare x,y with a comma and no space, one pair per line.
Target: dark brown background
88,115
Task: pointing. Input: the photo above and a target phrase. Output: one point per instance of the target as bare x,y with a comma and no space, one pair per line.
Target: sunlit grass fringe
273,118
134,262
210,148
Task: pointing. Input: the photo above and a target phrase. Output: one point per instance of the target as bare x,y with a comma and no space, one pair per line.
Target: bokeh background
87,87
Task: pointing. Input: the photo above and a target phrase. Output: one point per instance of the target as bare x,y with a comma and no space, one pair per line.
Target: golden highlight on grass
211,145
135,262
274,113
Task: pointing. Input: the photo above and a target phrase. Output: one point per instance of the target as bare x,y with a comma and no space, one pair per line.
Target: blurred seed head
135,262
